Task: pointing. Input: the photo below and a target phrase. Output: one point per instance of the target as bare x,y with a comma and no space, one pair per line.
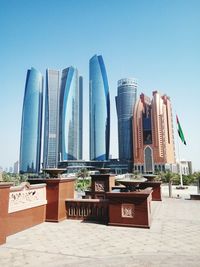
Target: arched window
148,160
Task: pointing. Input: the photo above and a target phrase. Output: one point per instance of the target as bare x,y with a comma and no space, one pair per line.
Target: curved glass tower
70,146
31,125
125,102
51,127
99,110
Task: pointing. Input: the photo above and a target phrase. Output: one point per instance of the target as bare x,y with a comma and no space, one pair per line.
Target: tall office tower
31,125
154,148
99,110
125,102
51,127
80,117
16,167
71,115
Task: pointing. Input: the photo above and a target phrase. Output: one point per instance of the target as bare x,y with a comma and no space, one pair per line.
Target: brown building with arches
153,135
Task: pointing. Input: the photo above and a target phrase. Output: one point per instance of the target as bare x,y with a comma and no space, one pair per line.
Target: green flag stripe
180,131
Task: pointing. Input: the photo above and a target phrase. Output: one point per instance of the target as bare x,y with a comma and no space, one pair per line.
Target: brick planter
58,190
156,186
130,209
4,200
100,184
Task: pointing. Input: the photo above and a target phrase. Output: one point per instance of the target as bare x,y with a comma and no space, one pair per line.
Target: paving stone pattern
173,240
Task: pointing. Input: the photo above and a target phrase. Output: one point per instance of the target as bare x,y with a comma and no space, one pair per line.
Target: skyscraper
125,102
71,115
154,148
16,167
31,125
99,109
51,128
80,138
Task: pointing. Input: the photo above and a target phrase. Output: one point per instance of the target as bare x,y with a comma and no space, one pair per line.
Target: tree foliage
174,178
83,182
14,178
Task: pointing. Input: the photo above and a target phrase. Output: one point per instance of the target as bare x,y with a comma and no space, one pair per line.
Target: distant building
153,134
99,110
16,167
1,172
71,115
186,167
63,117
51,119
31,125
125,102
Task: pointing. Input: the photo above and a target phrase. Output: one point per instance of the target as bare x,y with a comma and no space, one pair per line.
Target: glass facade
31,126
99,110
71,113
51,128
146,124
125,102
80,138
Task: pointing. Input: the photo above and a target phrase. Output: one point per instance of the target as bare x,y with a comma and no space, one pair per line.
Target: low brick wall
21,207
27,207
195,196
130,209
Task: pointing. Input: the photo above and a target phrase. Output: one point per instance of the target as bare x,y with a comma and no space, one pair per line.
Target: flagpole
180,167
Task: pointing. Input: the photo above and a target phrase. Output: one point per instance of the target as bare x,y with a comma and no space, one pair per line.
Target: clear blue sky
155,41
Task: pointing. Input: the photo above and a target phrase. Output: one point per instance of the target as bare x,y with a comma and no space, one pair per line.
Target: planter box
195,196
130,209
156,186
100,184
58,190
4,199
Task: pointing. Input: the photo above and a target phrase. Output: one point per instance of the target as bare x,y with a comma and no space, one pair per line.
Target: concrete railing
87,209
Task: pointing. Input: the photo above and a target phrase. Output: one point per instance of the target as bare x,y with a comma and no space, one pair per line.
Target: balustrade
87,209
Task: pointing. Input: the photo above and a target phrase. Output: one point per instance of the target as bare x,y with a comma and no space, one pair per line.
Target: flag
180,132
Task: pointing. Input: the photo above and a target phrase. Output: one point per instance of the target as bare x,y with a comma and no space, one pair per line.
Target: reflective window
31,126
99,110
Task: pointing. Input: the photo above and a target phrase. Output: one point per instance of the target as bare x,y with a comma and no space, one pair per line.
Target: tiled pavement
173,240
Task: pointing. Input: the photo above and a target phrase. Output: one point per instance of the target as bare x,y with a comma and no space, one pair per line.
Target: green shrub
82,184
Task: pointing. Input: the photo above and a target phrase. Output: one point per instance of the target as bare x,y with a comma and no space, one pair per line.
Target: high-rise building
31,125
1,174
125,102
71,115
99,109
51,128
154,148
80,138
16,167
